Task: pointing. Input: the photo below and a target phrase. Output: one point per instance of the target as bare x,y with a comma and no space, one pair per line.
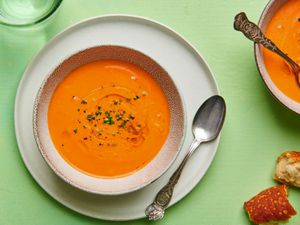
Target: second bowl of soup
280,21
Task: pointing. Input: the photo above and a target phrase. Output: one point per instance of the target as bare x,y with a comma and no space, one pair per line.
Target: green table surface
256,131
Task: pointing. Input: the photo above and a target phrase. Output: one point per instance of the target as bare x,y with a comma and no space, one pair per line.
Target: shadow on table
288,120
20,44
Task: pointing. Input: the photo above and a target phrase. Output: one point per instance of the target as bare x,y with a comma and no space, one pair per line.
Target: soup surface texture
284,31
108,118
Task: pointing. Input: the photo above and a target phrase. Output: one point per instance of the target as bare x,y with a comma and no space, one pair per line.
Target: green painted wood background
256,131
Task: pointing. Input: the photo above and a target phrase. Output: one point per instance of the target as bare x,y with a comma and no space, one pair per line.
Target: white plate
188,70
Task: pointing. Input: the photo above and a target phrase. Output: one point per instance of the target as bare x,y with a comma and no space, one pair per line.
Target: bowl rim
84,188
259,60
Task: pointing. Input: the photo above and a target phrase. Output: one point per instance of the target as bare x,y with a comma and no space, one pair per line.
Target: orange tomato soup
108,118
284,31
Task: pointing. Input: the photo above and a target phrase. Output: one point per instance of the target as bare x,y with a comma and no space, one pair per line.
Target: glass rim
39,20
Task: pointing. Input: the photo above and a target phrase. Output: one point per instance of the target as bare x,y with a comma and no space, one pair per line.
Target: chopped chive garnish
83,101
98,113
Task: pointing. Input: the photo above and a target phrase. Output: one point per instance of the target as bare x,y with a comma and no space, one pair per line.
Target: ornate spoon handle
156,210
254,33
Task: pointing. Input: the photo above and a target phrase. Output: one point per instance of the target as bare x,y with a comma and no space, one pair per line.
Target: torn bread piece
287,168
270,206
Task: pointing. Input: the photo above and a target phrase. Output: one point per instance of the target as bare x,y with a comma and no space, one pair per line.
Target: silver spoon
254,33
206,126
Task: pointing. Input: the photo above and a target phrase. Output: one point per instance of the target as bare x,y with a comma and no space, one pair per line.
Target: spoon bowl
207,122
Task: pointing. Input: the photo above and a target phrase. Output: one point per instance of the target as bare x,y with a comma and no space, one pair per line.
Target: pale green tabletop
256,131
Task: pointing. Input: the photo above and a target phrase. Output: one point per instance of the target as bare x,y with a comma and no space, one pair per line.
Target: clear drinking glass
26,12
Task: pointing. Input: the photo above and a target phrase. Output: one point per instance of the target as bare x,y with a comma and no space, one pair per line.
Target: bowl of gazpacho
109,120
280,21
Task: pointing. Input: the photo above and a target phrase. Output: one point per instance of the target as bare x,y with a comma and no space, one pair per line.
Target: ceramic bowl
113,186
264,20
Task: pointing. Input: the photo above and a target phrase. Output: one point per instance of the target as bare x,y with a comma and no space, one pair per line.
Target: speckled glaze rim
93,184
267,14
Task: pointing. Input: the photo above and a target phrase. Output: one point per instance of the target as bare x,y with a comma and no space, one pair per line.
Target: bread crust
270,206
